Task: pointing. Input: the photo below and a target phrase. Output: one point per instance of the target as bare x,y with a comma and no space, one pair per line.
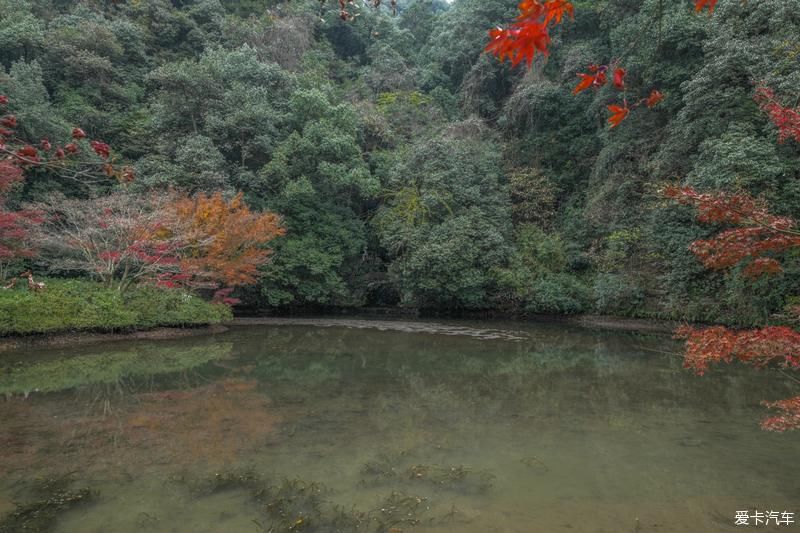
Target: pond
393,426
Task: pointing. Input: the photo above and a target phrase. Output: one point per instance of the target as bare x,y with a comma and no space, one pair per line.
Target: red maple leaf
596,79
101,149
699,5
655,97
618,114
521,41
555,10
586,81
528,35
619,78
530,9
27,151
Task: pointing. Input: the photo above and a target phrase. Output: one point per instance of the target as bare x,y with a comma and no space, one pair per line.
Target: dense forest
408,167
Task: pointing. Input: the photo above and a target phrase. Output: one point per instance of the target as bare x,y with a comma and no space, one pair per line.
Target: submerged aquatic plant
293,505
222,481
380,470
400,509
460,478
39,516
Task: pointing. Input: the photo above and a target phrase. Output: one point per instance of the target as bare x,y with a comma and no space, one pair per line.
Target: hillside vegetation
412,169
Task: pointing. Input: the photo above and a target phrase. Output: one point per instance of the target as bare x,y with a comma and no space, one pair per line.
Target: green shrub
83,305
558,294
159,307
616,294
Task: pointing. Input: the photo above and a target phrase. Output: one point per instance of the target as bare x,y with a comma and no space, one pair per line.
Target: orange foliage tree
122,238
223,240
166,238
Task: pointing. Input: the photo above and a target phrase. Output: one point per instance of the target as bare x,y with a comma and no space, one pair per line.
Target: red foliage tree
62,160
15,226
120,238
529,34
786,119
756,239
168,239
19,155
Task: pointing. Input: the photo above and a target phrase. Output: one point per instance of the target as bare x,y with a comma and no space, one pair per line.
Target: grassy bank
71,305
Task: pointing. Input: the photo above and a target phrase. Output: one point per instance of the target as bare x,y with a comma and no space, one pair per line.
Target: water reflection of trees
134,408
114,368
431,380
296,386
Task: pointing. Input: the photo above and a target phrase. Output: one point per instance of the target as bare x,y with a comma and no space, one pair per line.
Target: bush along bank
72,305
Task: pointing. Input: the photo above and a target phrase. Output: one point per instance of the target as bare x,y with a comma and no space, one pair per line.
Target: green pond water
356,425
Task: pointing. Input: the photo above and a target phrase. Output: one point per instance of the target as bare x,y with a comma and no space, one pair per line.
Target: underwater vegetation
53,496
459,478
294,505
454,477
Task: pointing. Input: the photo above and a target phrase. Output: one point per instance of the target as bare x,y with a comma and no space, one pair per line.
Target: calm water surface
348,425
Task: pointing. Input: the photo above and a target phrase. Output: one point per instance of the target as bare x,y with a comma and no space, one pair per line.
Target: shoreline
77,338
605,322
608,322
